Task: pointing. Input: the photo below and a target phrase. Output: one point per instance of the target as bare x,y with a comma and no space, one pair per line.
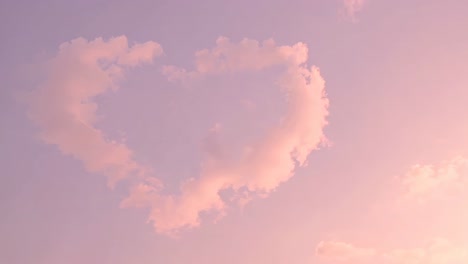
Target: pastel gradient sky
253,132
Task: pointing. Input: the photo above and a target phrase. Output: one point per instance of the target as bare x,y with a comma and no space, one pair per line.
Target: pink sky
276,132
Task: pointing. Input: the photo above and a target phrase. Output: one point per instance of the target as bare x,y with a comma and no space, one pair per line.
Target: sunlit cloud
436,251
264,164
423,182
64,110
436,185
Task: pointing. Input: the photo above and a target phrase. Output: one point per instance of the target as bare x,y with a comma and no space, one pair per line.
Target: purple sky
199,157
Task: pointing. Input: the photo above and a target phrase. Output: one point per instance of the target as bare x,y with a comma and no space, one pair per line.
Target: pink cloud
445,181
265,164
340,251
247,55
422,182
352,7
63,108
436,251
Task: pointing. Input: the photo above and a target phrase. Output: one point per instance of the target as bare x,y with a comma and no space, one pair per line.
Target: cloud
248,55
436,251
342,251
63,108
422,182
352,7
446,181
264,164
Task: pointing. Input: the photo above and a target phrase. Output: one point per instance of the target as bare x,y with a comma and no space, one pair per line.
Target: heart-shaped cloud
63,109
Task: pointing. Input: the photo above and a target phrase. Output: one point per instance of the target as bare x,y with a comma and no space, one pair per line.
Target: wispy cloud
352,7
437,186
436,251
422,182
341,251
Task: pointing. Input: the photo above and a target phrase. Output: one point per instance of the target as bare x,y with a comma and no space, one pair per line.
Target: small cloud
343,251
270,161
352,7
436,251
422,182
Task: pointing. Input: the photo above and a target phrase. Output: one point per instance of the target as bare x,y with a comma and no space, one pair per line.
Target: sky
253,132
